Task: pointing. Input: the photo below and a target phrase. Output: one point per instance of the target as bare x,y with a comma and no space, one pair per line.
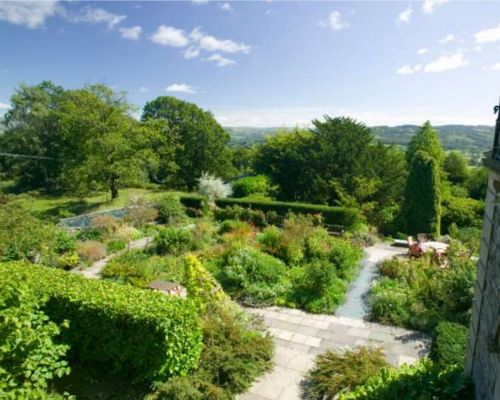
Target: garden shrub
334,373
256,217
449,344
105,223
251,185
424,380
139,212
253,277
116,245
230,225
139,268
138,334
30,357
270,240
64,241
170,209
173,241
212,187
91,250
462,211
345,257
89,234
468,236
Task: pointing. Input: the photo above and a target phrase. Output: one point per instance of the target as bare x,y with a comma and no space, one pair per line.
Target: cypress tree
425,139
422,203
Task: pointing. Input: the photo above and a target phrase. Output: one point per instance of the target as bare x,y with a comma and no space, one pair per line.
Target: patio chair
422,237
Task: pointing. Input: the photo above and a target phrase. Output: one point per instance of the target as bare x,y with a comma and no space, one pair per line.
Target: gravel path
356,305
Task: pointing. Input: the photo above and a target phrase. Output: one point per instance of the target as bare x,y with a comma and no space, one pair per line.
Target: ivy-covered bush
173,241
335,373
424,380
449,344
131,332
30,357
251,185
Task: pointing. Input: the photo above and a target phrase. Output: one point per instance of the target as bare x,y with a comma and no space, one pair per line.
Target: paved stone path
94,271
356,305
300,336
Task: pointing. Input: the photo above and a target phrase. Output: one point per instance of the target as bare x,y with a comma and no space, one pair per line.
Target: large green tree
30,134
203,142
456,167
422,202
104,147
426,139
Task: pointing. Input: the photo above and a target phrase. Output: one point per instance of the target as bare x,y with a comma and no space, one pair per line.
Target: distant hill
471,139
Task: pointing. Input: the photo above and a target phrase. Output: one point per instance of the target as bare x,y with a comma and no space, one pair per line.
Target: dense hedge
449,344
348,217
132,332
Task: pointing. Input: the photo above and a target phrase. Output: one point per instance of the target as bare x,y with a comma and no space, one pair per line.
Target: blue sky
267,63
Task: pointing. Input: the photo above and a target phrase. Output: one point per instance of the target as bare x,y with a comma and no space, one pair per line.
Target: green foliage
347,217
233,356
140,269
256,217
424,380
173,241
114,246
30,357
251,185
170,209
110,324
334,373
463,212
252,277
419,295
477,183
91,250
469,236
449,344
456,166
422,202
426,140
64,241
203,142
231,225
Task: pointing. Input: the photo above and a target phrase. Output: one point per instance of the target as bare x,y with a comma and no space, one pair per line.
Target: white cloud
447,39
180,88
144,89
170,36
200,1
132,33
429,6
488,35
405,70
446,63
494,67
220,61
28,13
191,52
335,21
422,51
225,6
99,15
4,106
405,16
211,43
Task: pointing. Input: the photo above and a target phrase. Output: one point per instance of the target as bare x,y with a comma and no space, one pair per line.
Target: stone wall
483,353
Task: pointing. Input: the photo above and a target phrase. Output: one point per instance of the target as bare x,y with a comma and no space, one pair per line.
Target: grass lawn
54,207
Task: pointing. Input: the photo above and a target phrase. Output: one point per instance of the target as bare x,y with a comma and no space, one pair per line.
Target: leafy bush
140,268
469,236
424,380
253,277
418,294
29,355
64,241
112,324
114,246
345,257
231,225
464,212
449,344
212,187
105,223
170,209
173,241
89,234
91,250
334,373
257,217
270,240
258,184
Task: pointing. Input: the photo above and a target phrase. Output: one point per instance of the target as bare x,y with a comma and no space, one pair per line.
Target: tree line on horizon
86,139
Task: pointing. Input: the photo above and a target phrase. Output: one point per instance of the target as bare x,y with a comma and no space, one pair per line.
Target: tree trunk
114,188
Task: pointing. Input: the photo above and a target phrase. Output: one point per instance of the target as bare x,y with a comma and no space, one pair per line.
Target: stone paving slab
299,337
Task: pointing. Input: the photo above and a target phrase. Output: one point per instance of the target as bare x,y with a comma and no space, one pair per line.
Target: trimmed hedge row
348,217
449,344
138,334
